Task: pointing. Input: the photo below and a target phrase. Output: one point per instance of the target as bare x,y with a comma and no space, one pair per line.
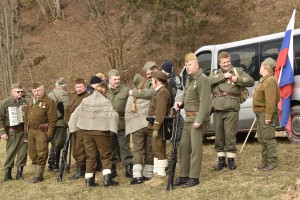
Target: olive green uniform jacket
145,93
220,84
196,99
265,99
16,144
118,99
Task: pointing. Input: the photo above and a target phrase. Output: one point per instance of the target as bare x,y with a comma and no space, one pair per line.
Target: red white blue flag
284,72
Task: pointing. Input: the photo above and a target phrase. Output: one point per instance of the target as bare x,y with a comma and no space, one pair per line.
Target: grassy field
243,183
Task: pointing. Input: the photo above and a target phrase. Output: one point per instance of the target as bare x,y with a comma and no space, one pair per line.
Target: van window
245,57
297,55
272,49
204,60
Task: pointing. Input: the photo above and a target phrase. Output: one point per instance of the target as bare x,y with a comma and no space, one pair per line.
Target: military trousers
191,151
142,147
266,137
79,153
121,146
16,149
226,124
37,146
94,142
159,146
59,139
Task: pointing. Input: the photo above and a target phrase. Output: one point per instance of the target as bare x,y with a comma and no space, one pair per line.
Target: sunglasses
19,92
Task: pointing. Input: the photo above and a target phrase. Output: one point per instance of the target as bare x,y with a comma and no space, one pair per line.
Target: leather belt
224,94
259,109
34,126
18,128
191,113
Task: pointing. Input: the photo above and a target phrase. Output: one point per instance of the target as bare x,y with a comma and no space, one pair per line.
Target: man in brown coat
40,120
77,137
265,99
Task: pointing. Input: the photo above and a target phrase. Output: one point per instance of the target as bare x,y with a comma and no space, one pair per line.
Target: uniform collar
262,79
195,76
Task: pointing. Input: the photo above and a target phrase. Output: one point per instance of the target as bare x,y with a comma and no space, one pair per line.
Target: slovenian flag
284,72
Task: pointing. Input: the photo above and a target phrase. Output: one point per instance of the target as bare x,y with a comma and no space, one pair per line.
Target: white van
248,54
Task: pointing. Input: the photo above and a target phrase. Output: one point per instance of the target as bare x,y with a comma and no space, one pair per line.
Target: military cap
270,61
167,67
149,65
95,80
36,85
160,75
189,57
113,72
16,86
61,81
223,54
80,81
138,81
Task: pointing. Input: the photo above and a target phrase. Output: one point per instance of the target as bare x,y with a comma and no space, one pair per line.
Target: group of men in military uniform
119,107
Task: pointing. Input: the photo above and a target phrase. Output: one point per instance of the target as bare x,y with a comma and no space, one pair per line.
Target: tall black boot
51,159
79,173
90,182
108,181
114,172
231,164
221,164
128,169
56,161
19,175
7,174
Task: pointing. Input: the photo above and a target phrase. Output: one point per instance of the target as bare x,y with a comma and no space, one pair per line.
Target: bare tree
51,8
113,32
9,31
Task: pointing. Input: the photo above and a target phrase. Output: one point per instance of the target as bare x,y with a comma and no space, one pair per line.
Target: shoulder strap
55,96
235,71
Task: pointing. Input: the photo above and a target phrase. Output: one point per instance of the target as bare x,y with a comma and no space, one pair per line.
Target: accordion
16,115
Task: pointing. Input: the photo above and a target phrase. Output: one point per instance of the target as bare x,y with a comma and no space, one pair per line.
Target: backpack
60,107
244,91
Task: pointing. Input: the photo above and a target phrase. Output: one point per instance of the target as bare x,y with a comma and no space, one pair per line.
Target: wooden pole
248,135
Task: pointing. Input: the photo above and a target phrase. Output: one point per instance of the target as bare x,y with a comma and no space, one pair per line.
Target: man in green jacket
12,130
118,95
59,94
226,84
196,100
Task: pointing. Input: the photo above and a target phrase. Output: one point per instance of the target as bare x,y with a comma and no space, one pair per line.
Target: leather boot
128,169
56,161
90,182
19,175
114,172
51,159
39,174
108,181
231,164
221,164
79,173
7,174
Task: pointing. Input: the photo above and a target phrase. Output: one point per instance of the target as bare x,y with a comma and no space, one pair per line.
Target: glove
155,134
49,138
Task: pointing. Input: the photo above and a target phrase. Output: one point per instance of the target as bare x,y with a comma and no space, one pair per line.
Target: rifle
64,164
176,135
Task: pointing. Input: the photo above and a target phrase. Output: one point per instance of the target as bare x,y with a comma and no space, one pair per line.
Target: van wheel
294,135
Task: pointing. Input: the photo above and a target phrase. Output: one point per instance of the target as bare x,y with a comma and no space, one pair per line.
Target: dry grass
243,183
